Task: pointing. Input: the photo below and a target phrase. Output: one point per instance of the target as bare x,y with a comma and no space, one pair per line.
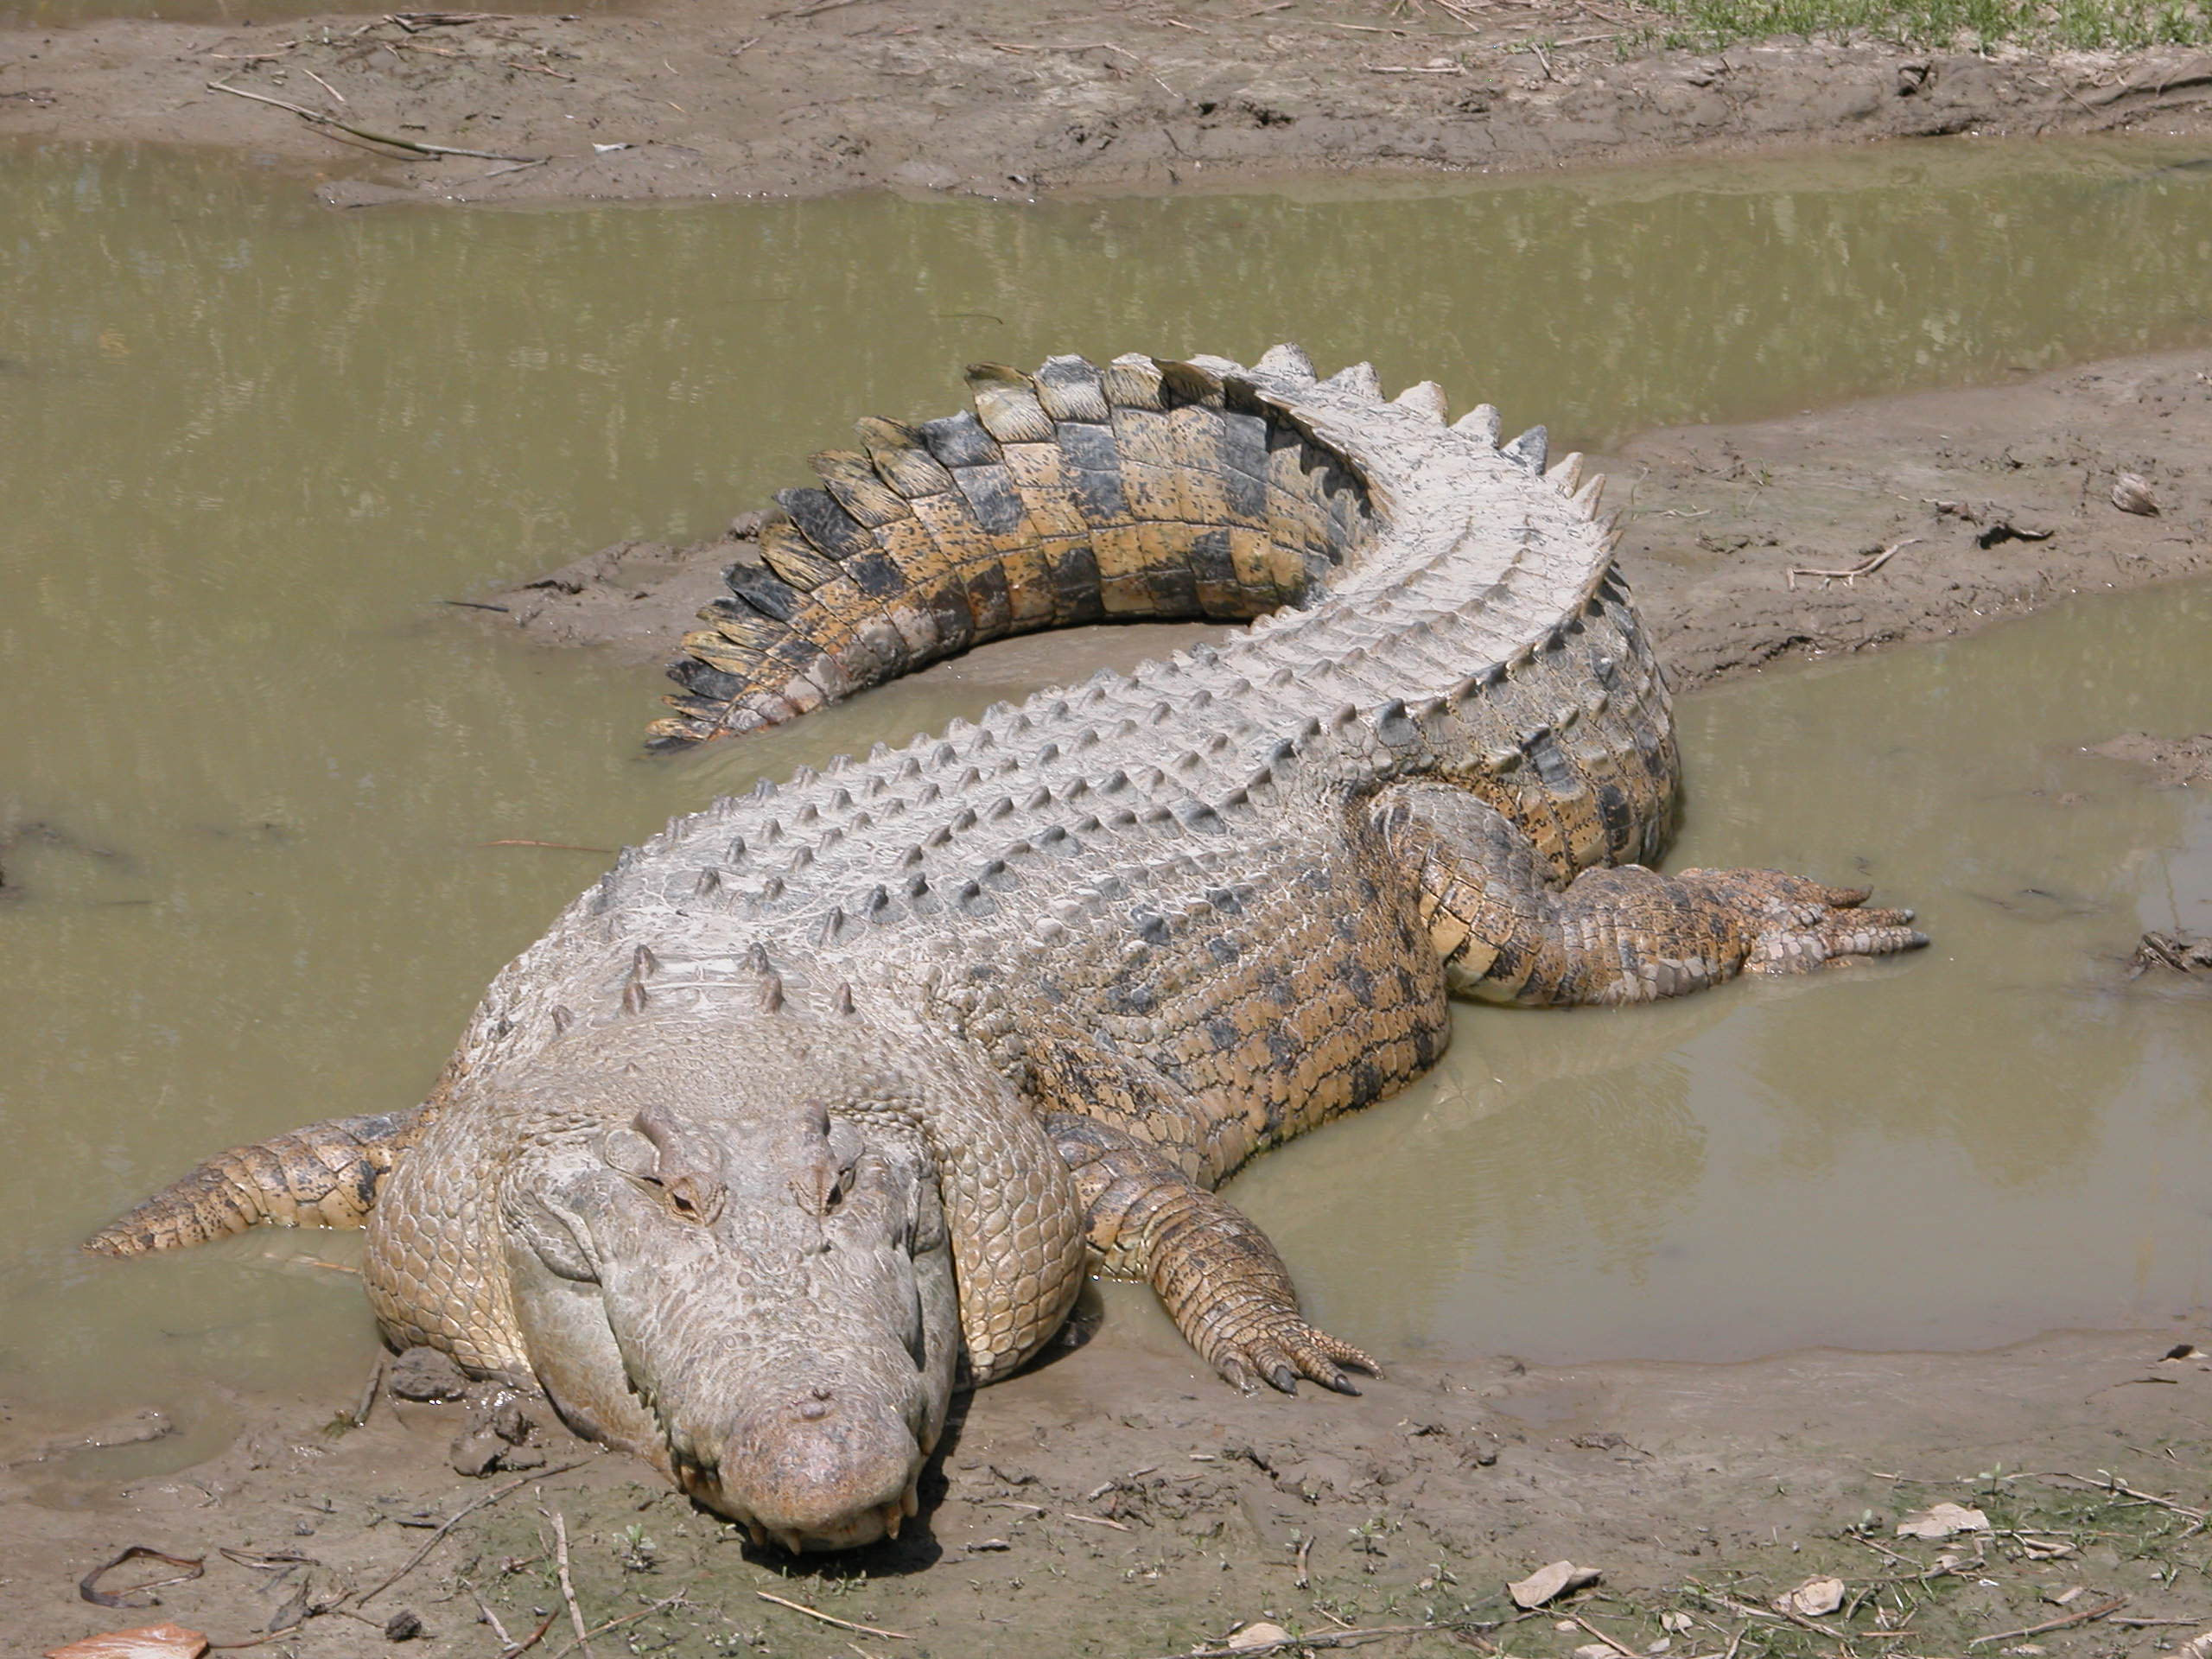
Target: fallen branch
568,1584
88,1587
2082,1617
2119,1488
318,119
1864,568
831,1619
1358,1636
462,1514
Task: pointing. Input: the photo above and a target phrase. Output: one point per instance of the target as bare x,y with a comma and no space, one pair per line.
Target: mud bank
1116,1503
1957,507
1003,98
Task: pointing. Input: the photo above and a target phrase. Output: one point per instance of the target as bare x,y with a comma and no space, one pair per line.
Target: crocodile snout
817,1471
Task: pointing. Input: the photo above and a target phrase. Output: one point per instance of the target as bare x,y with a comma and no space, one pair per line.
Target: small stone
426,1376
1546,1583
477,1452
402,1627
1941,1521
2131,492
1814,1598
1262,1635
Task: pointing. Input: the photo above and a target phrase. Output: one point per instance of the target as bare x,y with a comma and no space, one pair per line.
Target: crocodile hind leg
324,1175
1612,935
1216,1274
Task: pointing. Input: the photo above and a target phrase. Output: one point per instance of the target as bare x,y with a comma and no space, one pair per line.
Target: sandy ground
1010,98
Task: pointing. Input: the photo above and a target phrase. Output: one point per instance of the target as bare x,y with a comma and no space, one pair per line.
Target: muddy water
258,784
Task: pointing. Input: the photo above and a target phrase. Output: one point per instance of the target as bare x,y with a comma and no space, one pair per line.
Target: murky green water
251,767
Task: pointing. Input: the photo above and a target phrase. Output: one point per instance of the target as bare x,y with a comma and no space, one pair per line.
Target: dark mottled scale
901,458
960,441
1075,586
1072,389
1006,404
825,524
1244,465
1213,575
704,680
947,604
852,480
791,556
990,601
763,590
991,495
1095,464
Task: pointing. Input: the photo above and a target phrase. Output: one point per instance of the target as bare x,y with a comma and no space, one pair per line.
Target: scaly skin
825,1085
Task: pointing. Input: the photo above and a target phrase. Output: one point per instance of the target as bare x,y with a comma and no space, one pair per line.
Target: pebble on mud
1546,1583
425,1375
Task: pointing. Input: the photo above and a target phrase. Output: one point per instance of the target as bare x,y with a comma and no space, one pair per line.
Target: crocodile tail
1144,490
324,1175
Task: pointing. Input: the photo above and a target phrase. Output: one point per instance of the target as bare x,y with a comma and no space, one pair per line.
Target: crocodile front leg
1216,1273
1616,935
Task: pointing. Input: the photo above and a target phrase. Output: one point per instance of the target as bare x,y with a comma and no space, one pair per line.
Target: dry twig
321,120
2082,1618
831,1619
1866,567
568,1584
462,1514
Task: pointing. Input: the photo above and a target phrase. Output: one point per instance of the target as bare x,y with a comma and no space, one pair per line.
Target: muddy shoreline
1115,1502
683,98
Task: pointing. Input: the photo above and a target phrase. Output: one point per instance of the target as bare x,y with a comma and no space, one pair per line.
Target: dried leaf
1814,1598
1548,1582
1249,1636
1941,1520
148,1641
1595,1650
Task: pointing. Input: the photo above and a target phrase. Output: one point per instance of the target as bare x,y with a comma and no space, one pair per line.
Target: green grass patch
1969,24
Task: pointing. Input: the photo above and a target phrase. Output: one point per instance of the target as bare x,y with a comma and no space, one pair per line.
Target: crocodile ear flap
554,1237
629,1152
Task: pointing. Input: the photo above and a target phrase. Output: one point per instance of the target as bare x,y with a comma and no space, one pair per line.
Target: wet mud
1112,1504
1007,98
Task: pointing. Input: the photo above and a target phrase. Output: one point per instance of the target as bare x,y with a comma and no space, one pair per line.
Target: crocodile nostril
814,1410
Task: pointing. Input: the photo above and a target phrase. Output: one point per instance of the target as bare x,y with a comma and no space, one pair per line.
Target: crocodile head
731,1258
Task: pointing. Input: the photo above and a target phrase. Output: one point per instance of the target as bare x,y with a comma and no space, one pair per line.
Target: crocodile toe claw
1808,924
1283,1351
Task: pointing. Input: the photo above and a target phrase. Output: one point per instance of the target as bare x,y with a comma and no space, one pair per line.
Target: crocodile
833,1088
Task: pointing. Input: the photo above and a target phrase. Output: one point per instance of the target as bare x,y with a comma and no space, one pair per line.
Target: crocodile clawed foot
1281,1350
1798,924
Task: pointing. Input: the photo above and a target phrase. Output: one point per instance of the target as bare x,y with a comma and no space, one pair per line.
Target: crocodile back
1444,606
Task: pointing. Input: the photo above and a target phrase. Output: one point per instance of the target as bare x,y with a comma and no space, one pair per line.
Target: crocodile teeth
911,1499
760,1533
894,1516
788,1537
